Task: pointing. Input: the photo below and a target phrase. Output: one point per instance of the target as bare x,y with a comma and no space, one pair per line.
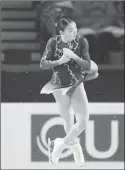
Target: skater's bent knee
93,68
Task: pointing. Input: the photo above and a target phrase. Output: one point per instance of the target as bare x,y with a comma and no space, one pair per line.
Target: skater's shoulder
52,41
83,41
57,37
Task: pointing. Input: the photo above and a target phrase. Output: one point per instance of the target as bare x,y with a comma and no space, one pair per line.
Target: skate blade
50,143
82,166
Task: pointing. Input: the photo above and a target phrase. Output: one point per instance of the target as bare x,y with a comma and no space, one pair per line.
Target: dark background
25,32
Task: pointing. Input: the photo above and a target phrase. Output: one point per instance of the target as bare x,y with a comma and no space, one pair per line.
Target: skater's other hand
64,59
68,53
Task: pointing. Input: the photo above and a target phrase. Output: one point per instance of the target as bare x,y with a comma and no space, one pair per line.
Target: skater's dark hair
63,23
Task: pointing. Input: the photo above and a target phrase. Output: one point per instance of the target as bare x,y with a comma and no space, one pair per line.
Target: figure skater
67,55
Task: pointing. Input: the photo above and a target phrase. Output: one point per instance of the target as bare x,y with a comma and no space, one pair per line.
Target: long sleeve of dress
84,59
85,52
47,58
84,49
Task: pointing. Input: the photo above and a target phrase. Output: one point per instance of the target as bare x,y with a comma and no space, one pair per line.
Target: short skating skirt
51,87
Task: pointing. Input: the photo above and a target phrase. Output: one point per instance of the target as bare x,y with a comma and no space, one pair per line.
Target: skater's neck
64,39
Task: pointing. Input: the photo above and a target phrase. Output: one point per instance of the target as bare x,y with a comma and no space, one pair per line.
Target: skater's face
70,31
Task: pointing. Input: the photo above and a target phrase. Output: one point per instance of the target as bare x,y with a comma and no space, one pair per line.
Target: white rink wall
16,136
